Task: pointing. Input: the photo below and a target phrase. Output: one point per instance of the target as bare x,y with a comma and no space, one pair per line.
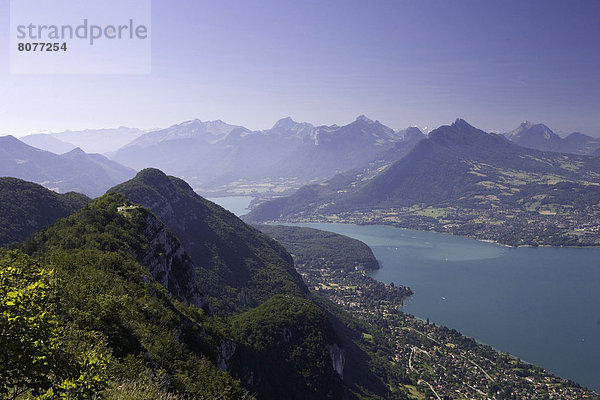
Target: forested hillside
239,267
120,308
313,246
26,208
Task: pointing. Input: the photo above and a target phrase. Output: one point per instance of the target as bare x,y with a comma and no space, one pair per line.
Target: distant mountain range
213,155
44,141
89,140
466,181
540,137
334,149
75,171
218,158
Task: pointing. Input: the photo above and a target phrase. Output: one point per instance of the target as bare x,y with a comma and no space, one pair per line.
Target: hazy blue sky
494,63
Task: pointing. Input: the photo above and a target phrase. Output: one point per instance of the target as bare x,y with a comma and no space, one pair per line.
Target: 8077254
42,46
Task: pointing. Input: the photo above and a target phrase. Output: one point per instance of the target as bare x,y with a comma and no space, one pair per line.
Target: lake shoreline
399,226
247,201
514,289
463,272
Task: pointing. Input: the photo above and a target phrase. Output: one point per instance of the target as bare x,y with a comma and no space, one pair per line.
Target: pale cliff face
337,358
167,261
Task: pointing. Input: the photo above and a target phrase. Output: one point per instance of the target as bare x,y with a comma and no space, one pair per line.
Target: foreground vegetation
82,318
105,304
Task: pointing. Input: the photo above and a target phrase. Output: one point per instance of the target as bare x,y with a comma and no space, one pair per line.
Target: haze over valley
222,159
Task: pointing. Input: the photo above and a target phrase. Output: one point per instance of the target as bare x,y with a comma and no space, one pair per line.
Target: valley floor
505,227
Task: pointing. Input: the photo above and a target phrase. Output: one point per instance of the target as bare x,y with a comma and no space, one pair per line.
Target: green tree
38,356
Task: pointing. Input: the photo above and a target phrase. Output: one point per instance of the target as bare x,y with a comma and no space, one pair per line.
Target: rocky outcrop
244,267
225,351
169,264
337,358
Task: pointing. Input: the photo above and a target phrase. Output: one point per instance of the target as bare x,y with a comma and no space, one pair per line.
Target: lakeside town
443,363
510,227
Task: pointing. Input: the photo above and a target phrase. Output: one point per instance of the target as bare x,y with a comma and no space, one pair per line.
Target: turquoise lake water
237,205
539,304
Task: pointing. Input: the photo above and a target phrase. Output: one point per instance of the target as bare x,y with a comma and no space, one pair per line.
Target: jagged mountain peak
530,128
285,123
536,136
412,133
462,134
364,118
541,137
289,127
207,131
413,129
526,124
462,124
189,122
459,129
361,132
536,127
